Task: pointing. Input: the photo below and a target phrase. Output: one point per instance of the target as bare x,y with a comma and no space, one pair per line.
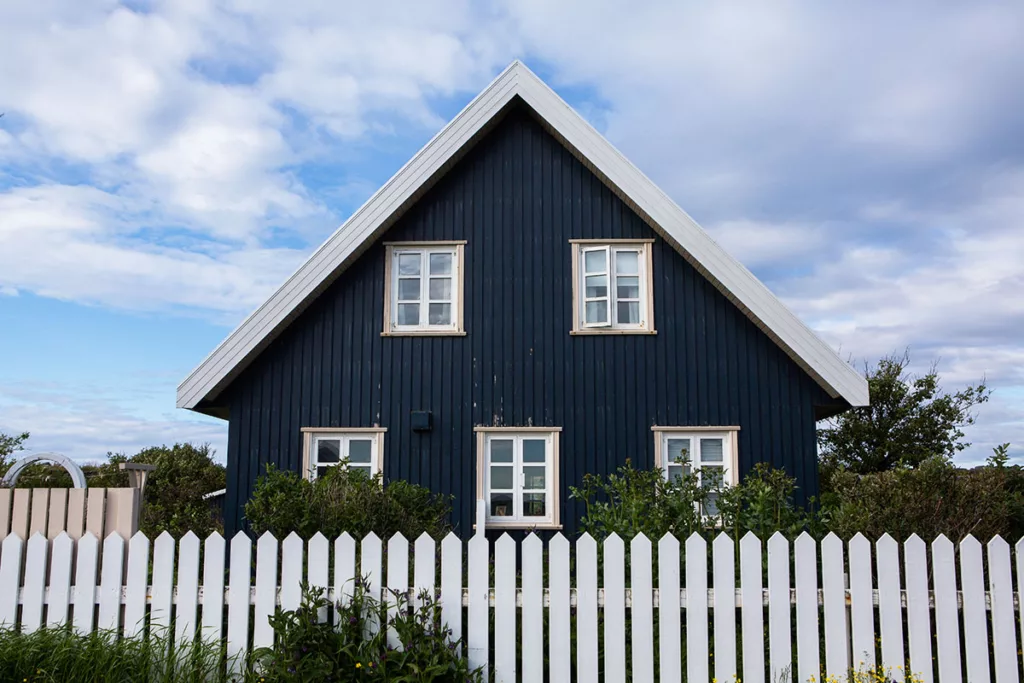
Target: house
519,305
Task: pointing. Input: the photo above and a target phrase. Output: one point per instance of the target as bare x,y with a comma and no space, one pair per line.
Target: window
423,288
612,287
710,452
363,449
518,476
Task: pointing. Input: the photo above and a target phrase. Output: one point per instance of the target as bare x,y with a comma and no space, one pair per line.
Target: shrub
345,500
309,649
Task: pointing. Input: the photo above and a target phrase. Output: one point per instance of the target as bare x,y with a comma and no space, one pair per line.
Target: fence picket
533,608
240,577
972,578
451,584
187,609
425,570
919,628
1004,638
479,609
398,581
890,616
696,558
834,596
291,571
505,610
1018,553
947,617
642,614
85,583
135,587
806,575
344,569
35,582
266,590
63,549
213,588
669,636
163,584
780,652
723,559
111,576
586,608
10,575
319,561
614,610
560,629
862,611
752,593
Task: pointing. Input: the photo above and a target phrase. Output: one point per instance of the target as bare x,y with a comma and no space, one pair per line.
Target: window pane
711,505
628,312
711,450
711,476
597,311
359,450
440,314
501,505
597,286
534,505
627,287
362,469
627,262
676,472
328,450
408,264
678,449
534,478
535,450
408,289
440,289
501,450
594,262
440,264
501,478
408,314
321,471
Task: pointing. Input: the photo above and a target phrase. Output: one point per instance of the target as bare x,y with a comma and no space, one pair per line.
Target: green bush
312,650
65,656
345,500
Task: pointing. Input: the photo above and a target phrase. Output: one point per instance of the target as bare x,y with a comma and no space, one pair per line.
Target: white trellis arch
77,475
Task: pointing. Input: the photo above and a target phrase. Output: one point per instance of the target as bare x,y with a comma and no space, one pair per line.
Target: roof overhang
199,391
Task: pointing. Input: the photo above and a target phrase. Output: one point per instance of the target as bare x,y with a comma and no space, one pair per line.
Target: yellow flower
358,665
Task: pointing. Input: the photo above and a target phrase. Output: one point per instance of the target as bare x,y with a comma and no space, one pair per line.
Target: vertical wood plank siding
517,198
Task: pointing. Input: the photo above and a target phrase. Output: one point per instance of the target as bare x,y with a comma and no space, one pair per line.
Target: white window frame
610,248
393,250
728,435
551,491
311,436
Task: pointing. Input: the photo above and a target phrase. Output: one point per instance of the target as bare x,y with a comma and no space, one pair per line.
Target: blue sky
165,165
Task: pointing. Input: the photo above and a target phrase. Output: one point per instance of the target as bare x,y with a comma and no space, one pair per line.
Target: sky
164,166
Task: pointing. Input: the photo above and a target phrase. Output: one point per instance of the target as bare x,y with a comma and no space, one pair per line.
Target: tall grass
61,654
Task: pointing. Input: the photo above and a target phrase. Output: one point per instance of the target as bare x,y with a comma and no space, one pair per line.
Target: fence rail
947,613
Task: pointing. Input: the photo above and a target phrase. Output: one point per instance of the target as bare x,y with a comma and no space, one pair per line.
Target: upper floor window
423,288
518,475
356,449
612,287
709,452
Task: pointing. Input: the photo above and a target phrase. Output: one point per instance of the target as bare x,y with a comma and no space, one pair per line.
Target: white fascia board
729,275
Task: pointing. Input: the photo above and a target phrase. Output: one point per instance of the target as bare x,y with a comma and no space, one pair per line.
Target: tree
9,445
910,419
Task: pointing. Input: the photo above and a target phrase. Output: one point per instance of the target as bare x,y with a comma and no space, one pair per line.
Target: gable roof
200,389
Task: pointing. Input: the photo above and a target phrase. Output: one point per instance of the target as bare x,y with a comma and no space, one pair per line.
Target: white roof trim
728,274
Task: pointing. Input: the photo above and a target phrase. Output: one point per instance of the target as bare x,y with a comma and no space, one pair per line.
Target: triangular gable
374,217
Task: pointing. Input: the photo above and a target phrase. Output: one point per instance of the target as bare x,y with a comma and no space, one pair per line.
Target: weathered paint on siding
517,198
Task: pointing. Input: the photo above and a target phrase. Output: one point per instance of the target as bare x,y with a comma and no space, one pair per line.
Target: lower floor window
356,449
710,453
519,476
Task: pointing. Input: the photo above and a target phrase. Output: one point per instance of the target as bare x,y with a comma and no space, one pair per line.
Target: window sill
598,331
521,526
424,333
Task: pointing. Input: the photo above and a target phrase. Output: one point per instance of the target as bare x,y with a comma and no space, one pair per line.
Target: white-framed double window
518,476
423,288
358,449
710,452
612,287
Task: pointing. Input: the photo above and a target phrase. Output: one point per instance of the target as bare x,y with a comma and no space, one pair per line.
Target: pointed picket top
640,543
531,542
265,538
668,544
424,540
345,537
370,538
778,541
803,540
723,543
886,541
163,538
587,538
450,540
997,543
831,540
615,541
240,543
916,542
859,543
696,544
397,538
750,543
10,575
970,544
558,542
1019,546
214,538
188,535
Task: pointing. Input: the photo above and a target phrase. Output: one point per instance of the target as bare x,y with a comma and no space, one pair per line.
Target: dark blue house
519,305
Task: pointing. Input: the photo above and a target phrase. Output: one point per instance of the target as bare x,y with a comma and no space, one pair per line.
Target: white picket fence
682,626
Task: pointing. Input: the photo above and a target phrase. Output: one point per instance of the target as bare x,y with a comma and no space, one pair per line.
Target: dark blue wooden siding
517,198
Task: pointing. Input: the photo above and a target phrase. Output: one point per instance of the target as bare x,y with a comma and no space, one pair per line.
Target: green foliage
633,501
9,445
910,420
311,649
62,655
345,500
